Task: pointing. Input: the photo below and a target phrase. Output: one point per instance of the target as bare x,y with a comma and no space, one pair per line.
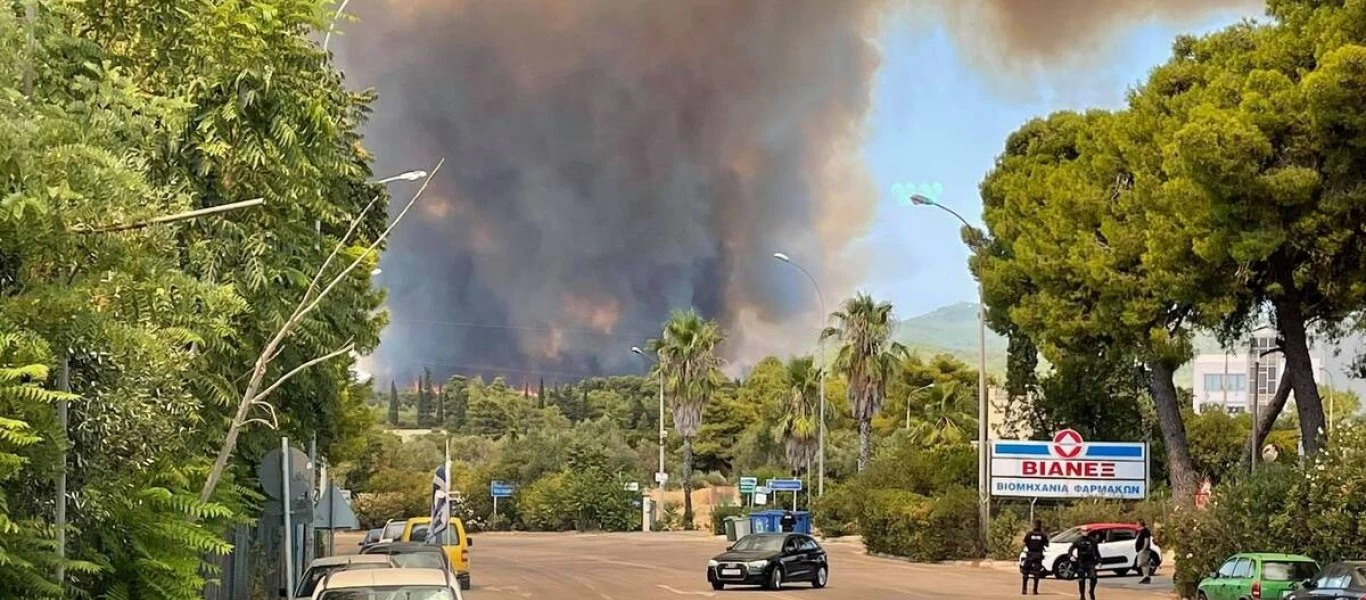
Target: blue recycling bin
768,521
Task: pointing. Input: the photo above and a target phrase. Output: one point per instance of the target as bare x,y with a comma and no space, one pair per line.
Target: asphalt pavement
672,566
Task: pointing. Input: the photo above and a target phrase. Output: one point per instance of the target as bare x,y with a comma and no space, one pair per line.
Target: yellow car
458,551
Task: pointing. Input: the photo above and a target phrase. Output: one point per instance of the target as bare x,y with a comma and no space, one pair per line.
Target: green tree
799,424
946,415
1098,397
867,358
689,363
393,404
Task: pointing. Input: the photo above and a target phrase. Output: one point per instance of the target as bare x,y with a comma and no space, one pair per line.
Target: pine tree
424,399
393,404
440,406
540,395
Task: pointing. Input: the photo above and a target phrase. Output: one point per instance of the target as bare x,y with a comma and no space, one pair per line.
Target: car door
794,566
812,555
1239,586
1214,587
1118,550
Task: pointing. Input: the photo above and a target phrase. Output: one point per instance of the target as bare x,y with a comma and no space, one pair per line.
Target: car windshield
759,543
1069,535
418,533
1277,570
393,530
397,592
419,560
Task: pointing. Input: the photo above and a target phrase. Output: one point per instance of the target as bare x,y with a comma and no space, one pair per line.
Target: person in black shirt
1035,542
1085,553
1144,546
788,522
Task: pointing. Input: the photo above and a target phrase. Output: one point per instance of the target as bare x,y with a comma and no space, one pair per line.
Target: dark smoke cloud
1022,37
608,161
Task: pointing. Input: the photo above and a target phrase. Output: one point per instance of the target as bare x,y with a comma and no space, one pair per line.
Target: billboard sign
1069,467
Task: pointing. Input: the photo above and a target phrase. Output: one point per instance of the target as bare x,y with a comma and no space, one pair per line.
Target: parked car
322,567
457,550
413,555
1117,552
770,560
1337,580
1255,576
380,584
371,537
393,529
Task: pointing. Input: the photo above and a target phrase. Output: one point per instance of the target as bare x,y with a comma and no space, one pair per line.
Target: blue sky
936,119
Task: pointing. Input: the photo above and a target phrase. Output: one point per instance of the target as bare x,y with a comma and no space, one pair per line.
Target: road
672,566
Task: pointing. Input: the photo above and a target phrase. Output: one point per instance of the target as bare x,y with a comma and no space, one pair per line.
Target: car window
393,530
403,592
1068,536
1280,570
311,578
1359,577
1227,569
762,543
420,560
418,533
1120,535
790,544
1243,568
808,545
1325,577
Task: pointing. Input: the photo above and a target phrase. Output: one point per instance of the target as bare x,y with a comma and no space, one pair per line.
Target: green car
1257,576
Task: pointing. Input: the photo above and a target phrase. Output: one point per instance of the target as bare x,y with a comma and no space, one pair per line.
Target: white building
1231,381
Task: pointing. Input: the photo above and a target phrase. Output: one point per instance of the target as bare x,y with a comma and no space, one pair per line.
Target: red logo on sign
1067,444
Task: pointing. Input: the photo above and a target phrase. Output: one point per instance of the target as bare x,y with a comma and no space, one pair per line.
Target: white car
1117,553
389,584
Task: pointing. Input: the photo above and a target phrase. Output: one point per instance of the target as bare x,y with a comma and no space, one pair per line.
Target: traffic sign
760,498
747,484
500,489
762,489
661,478
785,485
631,486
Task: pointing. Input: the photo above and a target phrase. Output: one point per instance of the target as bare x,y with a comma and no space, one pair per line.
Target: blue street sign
785,485
500,489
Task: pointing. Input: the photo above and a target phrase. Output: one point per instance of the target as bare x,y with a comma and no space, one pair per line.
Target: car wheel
717,585
1201,596
822,575
465,584
1065,569
775,579
1121,572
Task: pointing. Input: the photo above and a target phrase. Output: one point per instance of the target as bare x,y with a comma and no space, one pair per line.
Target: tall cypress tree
393,404
540,395
440,406
424,399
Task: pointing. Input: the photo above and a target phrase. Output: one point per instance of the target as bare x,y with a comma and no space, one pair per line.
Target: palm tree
867,357
798,424
689,364
947,416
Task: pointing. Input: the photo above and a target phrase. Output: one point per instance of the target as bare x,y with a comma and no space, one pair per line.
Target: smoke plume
611,160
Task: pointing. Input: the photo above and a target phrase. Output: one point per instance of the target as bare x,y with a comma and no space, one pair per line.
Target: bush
719,514
1311,510
837,512
921,528
1005,534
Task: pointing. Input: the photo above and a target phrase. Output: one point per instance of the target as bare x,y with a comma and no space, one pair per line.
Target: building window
1236,382
1214,382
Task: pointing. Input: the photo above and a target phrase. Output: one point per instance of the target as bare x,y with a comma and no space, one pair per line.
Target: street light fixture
820,349
908,402
658,476
404,176
983,466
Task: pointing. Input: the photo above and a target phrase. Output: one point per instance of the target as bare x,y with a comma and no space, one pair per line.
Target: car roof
374,577
1095,526
1276,556
404,547
349,559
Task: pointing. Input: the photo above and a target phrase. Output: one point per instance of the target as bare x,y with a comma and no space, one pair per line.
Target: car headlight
756,565
712,563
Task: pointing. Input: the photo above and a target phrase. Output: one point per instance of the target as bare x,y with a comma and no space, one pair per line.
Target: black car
1335,581
770,560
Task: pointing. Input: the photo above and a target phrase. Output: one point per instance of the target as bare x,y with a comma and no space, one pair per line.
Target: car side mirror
1214,575
1308,584
469,541
730,547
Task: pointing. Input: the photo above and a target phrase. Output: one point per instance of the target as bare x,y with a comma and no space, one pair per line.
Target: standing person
1035,542
1085,553
788,522
1144,546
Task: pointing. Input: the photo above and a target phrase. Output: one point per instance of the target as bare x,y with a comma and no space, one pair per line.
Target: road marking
687,593
507,588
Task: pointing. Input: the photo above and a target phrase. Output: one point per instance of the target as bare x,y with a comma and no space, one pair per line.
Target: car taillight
464,555
1257,590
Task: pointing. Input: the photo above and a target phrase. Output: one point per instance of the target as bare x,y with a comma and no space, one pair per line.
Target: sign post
1069,467
793,485
500,489
747,485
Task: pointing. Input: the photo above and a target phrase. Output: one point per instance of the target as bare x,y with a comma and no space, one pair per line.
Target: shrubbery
1312,510
719,514
922,528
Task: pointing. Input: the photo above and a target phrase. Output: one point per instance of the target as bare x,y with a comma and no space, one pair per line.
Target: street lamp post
658,477
820,349
983,464
908,402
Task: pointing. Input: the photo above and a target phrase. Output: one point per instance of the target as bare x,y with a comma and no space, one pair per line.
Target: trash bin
730,528
742,527
766,521
803,522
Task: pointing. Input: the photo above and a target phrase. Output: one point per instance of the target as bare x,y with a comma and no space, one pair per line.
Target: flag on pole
441,505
